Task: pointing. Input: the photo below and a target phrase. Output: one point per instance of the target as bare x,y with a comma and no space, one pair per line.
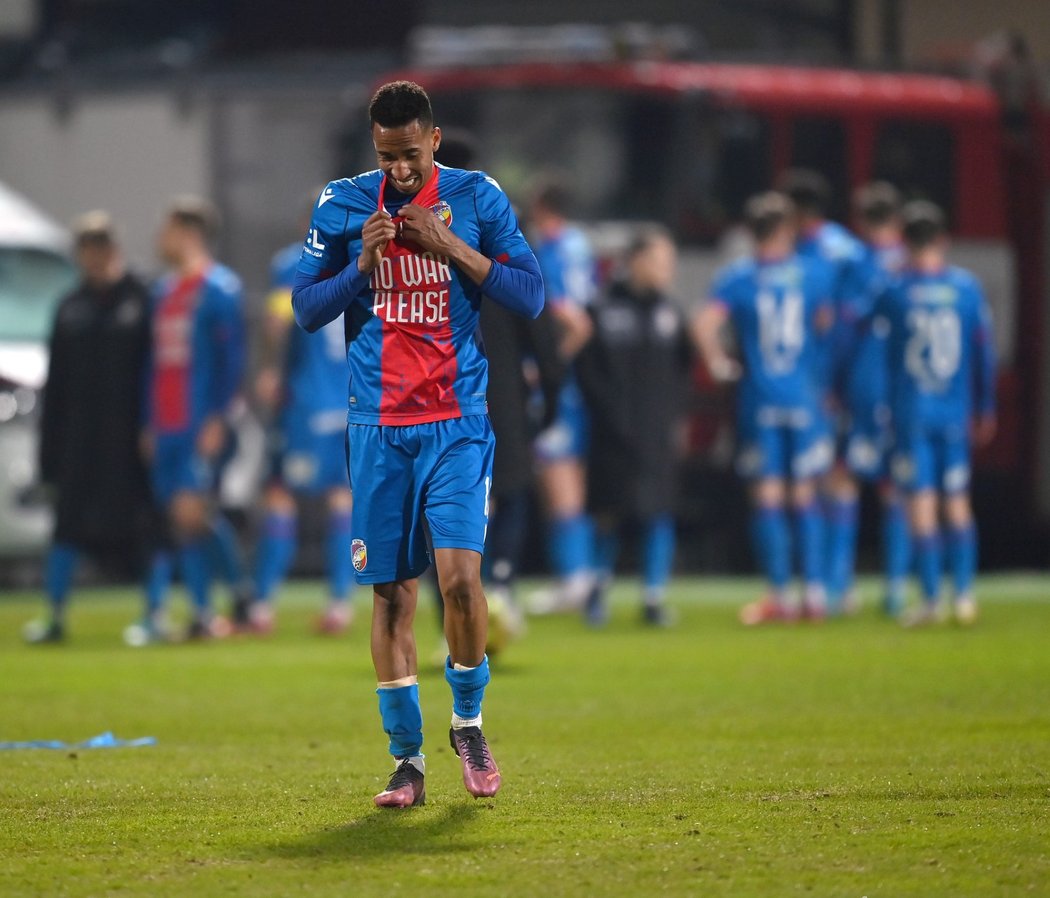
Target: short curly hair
399,103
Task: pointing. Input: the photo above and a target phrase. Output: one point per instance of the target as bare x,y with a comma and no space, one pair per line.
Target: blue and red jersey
941,352
412,335
198,349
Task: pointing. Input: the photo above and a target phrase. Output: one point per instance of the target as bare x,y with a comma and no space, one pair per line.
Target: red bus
686,143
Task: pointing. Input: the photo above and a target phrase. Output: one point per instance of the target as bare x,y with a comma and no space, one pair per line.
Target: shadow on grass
422,832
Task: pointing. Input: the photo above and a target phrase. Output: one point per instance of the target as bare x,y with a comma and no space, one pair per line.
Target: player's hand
378,231
984,428
211,438
423,228
725,370
268,388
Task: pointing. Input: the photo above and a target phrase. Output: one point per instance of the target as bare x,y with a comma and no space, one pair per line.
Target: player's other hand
212,437
424,228
725,370
983,430
379,229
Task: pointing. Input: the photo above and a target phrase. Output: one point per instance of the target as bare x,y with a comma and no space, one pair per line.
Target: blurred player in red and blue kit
942,395
197,363
405,253
779,306
305,385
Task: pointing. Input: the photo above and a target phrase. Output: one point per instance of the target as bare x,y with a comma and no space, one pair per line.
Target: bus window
819,143
919,159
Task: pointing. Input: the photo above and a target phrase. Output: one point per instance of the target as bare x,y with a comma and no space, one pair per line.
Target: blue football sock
225,551
896,548
275,552
339,561
570,545
772,545
606,551
402,719
928,562
962,557
468,688
658,541
841,547
59,569
196,574
809,530
158,581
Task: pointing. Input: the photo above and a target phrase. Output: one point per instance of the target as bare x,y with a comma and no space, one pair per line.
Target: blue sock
158,581
606,550
402,719
841,547
275,552
809,529
58,577
225,552
570,544
928,562
468,687
772,545
896,548
196,574
340,562
962,557
658,541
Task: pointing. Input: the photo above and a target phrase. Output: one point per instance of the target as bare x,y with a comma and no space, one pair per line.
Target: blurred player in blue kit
405,254
832,247
197,363
779,305
942,394
304,384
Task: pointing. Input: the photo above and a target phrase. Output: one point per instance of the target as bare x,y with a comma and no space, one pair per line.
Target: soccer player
779,306
942,364
634,373
867,401
405,254
89,440
832,247
305,385
570,283
197,364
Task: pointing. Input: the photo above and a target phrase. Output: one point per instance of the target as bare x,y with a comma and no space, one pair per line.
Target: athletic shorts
868,439
934,459
568,437
417,487
178,468
789,445
306,462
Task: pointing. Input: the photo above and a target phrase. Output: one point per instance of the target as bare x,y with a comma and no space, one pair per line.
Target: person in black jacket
89,442
635,375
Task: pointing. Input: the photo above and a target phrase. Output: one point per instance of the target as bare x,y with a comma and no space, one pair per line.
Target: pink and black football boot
481,776
405,790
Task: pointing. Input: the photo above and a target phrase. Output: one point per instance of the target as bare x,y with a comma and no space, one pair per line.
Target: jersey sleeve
226,331
501,238
325,246
723,290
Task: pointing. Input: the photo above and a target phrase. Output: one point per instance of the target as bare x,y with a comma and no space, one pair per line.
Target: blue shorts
934,459
568,437
178,468
868,439
785,444
415,484
308,462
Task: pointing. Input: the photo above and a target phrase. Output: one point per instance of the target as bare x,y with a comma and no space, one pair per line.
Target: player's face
169,243
654,267
406,154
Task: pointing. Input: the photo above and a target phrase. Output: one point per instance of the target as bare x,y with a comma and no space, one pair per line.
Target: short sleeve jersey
773,307
315,364
412,337
940,342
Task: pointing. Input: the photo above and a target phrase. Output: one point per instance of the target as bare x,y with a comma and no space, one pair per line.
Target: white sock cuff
459,722
399,683
417,761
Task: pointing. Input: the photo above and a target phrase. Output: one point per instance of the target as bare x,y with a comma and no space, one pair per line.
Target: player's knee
461,589
957,510
189,516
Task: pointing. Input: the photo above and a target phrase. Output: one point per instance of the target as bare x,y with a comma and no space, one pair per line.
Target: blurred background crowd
641,132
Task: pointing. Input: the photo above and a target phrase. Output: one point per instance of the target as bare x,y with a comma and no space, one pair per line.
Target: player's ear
436,136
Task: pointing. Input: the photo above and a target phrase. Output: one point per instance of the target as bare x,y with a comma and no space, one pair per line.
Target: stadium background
120,104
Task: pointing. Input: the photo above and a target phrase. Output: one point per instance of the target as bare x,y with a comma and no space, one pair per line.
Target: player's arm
707,332
327,281
984,369
227,346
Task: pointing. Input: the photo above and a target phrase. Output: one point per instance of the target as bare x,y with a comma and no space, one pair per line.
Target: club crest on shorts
359,554
443,211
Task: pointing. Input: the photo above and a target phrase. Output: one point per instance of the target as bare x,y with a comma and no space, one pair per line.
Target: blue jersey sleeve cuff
516,284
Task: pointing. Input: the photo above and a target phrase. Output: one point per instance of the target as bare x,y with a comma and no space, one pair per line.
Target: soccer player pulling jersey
405,253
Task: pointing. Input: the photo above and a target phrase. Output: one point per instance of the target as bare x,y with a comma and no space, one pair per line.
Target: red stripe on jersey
172,354
410,295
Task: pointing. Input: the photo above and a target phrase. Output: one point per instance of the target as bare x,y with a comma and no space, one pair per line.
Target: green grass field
848,759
